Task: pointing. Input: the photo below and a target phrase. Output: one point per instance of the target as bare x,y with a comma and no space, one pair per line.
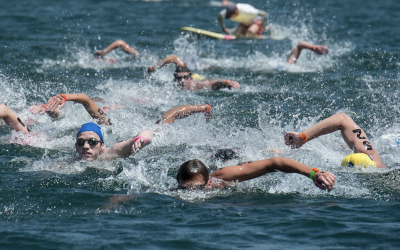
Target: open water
47,47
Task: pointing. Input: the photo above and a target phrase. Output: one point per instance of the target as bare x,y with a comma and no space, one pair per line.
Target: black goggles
91,142
179,78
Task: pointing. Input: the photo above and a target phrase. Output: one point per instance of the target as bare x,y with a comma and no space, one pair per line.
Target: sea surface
47,48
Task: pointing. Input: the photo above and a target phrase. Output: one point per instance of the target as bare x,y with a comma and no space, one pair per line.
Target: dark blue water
46,48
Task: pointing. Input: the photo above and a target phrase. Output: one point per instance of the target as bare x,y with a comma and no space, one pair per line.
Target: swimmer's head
230,10
90,126
182,69
192,174
89,142
358,159
182,75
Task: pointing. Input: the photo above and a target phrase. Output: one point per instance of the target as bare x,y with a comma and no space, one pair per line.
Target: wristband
313,171
303,137
312,48
139,137
208,107
64,96
45,107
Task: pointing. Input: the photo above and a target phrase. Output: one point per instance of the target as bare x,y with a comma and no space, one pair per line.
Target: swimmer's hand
293,139
99,54
54,102
321,50
227,31
324,180
233,84
138,144
37,109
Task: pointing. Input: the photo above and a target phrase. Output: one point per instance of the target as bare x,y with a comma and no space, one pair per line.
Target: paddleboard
208,33
274,32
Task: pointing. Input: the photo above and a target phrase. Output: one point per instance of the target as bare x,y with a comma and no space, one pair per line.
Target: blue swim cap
90,126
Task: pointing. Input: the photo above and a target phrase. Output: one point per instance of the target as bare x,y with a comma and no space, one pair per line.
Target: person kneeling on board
251,20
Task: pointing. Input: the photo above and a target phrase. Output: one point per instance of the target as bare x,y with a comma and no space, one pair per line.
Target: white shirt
247,14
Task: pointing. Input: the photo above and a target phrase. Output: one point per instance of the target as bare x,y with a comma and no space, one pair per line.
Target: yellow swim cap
358,159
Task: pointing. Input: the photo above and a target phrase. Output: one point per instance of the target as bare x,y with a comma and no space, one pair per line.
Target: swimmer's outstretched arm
352,134
12,120
319,49
214,85
184,111
168,60
91,107
133,145
117,44
325,180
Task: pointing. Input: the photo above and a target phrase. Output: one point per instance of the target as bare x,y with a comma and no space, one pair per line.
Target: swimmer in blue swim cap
365,154
90,144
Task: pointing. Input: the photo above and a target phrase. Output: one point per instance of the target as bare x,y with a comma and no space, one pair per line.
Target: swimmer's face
89,152
183,78
197,182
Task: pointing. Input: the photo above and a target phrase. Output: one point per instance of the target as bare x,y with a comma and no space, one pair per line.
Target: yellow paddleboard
274,32
208,33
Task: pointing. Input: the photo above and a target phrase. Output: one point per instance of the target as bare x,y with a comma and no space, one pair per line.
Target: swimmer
251,20
12,120
194,174
90,144
319,49
185,79
352,134
94,148
116,44
56,103
184,111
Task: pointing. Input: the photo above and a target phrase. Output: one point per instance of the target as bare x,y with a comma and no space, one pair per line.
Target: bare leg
255,29
319,49
352,134
12,120
241,30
